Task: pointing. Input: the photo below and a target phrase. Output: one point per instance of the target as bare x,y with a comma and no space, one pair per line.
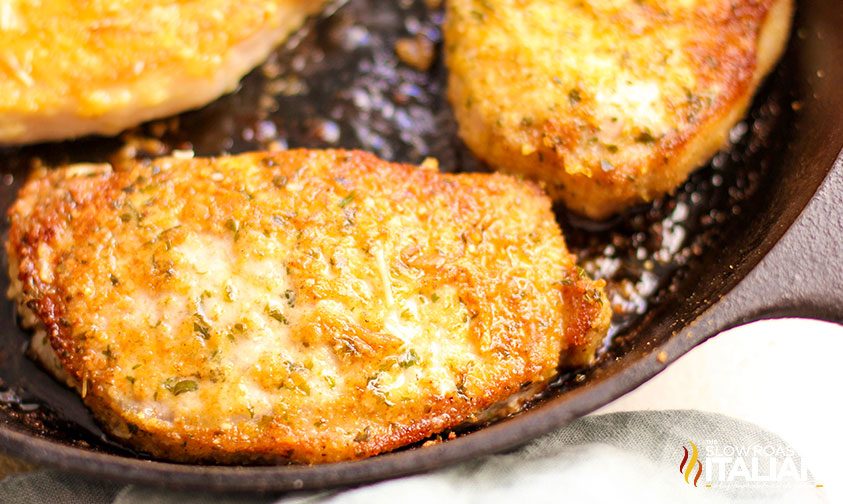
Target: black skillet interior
342,85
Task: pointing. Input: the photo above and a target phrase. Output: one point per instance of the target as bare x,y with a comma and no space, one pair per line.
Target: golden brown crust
608,103
377,304
72,68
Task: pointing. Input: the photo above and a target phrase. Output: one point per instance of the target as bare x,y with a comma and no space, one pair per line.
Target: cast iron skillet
755,235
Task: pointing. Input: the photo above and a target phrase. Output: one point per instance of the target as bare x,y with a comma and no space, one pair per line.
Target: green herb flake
178,386
276,314
574,96
201,326
434,297
236,329
290,296
408,359
362,436
645,137
348,199
216,375
181,386
130,379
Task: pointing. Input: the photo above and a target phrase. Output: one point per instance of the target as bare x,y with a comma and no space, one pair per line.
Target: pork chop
70,68
609,103
305,306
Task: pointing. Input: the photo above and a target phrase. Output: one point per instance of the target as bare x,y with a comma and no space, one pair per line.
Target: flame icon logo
689,460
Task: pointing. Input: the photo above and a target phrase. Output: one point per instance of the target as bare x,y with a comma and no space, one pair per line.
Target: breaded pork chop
309,306
72,68
608,102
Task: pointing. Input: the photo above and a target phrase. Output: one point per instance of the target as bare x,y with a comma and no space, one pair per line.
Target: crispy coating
308,306
610,103
71,68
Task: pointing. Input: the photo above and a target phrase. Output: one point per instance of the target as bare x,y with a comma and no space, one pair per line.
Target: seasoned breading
608,102
309,306
71,68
